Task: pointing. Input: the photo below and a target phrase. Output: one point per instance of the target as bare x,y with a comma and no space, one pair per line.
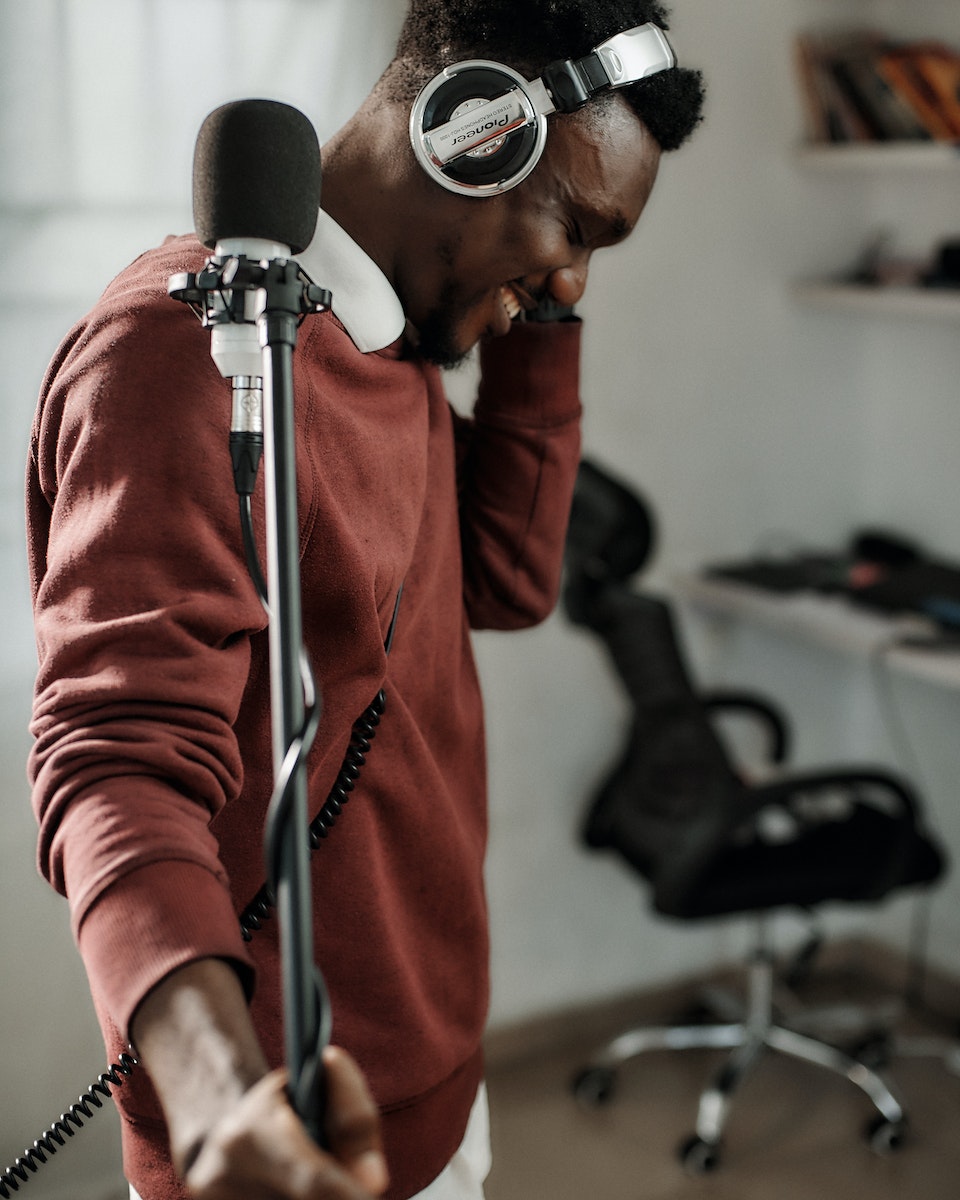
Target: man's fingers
352,1121
262,1149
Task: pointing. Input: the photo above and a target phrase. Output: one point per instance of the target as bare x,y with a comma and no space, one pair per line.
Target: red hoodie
152,766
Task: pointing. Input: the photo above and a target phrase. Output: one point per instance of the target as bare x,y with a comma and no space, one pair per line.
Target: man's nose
567,284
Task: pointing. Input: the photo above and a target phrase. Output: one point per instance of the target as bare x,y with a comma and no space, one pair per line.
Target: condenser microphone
256,199
256,176
256,196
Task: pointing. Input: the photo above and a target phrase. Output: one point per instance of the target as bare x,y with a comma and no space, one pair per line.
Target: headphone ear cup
495,168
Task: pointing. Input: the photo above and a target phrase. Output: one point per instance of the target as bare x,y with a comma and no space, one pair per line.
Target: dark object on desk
803,573
677,809
872,554
945,272
884,548
930,589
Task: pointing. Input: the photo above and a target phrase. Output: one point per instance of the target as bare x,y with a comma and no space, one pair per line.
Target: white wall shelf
880,156
941,304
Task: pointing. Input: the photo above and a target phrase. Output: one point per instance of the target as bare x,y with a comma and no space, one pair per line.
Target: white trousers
462,1178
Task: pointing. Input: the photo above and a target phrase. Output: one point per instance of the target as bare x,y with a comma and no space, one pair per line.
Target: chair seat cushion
862,857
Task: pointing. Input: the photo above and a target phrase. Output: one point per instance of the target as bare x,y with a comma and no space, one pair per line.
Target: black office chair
677,808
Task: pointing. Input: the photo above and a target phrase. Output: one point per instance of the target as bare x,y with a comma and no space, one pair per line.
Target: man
152,765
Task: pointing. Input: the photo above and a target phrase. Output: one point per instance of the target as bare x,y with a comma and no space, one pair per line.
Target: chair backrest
672,802
612,532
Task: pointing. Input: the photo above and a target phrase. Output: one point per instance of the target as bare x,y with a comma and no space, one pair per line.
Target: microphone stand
217,295
304,1039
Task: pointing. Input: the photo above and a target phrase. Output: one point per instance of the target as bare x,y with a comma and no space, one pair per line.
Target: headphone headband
622,59
479,127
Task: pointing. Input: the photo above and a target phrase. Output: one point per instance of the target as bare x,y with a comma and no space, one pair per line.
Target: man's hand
261,1149
233,1133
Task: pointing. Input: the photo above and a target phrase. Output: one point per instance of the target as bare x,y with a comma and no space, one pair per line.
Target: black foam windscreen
256,174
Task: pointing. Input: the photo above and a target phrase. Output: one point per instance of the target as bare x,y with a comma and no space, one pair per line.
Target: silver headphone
479,127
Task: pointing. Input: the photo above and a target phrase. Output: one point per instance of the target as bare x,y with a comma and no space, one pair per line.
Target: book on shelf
927,76
860,86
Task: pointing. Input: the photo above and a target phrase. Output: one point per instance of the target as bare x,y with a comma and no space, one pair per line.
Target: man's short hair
529,34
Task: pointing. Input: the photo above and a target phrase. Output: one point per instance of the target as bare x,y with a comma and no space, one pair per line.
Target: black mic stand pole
305,1010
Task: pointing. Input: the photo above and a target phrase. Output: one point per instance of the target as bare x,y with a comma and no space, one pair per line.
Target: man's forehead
610,161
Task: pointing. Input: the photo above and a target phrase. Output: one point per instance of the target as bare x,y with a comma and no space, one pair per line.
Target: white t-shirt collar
363,300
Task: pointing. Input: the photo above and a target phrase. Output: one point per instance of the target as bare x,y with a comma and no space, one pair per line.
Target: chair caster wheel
697,1156
885,1136
594,1086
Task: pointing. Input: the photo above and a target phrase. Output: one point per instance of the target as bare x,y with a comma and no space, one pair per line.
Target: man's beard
437,343
437,340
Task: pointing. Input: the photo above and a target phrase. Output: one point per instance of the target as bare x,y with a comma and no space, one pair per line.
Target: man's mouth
511,302
516,300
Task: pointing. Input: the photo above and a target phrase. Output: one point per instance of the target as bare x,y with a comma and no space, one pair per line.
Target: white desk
830,621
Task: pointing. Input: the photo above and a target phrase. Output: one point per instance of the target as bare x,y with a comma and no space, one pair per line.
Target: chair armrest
784,791
771,717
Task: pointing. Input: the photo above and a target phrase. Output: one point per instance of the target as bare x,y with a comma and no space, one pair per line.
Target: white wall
738,413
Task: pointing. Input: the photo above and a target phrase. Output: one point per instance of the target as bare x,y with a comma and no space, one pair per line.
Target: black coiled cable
364,731
73,1119
362,735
